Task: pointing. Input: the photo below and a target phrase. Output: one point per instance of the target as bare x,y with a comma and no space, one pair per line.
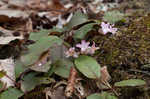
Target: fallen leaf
7,65
7,15
56,94
6,40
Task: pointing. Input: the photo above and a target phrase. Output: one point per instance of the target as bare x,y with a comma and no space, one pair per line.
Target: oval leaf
81,32
88,66
94,96
19,68
30,81
130,82
113,16
11,93
36,49
77,18
103,95
37,35
62,68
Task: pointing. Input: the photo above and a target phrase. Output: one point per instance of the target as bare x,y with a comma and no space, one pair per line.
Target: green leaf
1,85
44,43
61,64
81,32
19,68
50,71
57,52
77,18
43,33
43,68
130,82
11,93
35,50
37,35
30,81
94,96
113,16
55,29
103,95
88,66
62,68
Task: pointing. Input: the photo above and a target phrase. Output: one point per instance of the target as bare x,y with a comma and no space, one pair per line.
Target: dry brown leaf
7,65
80,91
17,3
29,26
7,15
105,77
58,93
7,36
6,40
6,32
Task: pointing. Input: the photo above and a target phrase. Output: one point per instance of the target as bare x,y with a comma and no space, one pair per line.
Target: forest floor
24,47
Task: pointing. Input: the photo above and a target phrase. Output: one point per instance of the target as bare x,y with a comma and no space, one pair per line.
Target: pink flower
108,28
92,49
84,46
72,52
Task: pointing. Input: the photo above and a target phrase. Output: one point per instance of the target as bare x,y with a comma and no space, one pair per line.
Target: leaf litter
40,31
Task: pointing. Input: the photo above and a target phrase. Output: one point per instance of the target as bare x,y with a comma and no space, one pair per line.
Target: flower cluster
84,49
106,27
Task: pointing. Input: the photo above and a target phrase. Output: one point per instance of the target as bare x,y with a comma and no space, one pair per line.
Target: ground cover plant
51,49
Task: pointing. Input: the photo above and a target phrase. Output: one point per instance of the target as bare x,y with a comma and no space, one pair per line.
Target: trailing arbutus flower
107,27
71,52
84,49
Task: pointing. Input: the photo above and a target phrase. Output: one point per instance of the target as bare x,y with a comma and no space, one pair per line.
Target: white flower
84,46
108,28
92,49
72,52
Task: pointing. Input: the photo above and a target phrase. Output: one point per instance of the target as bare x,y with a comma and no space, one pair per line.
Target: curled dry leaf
80,92
71,82
29,26
5,32
7,36
105,77
36,4
7,15
6,40
56,4
58,93
17,3
7,65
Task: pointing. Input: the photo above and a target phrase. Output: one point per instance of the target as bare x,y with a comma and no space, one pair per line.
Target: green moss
130,49
147,21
